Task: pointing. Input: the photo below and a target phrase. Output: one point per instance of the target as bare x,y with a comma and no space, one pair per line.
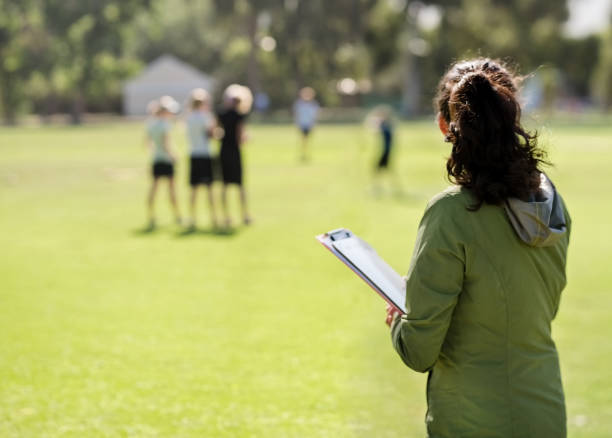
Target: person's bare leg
192,206
228,221
151,203
243,204
304,147
211,206
173,201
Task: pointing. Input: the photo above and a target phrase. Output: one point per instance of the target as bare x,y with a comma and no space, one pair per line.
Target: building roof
166,69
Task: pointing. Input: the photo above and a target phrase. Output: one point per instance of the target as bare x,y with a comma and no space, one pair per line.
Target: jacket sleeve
433,285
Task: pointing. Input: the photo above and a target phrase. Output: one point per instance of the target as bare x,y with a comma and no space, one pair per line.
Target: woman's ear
442,124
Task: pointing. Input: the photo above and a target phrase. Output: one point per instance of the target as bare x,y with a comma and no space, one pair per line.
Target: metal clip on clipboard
362,259
339,234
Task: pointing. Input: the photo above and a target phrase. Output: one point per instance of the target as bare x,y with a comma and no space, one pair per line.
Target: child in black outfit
235,106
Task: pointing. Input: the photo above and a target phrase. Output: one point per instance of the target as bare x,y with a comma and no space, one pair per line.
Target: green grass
106,330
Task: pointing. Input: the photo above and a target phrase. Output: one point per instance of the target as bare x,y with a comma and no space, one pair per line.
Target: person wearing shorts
200,123
305,111
231,119
162,167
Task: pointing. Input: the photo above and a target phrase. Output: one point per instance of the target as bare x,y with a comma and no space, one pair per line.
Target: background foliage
72,56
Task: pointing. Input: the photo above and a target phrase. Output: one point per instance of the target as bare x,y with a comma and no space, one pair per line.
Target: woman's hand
392,313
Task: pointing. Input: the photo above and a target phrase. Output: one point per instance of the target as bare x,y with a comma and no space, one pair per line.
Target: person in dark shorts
158,140
200,123
231,119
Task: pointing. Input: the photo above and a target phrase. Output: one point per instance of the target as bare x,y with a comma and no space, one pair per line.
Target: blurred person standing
305,112
162,154
200,124
237,101
385,128
487,271
382,121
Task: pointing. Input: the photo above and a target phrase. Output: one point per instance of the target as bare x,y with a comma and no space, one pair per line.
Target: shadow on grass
186,232
215,232
145,231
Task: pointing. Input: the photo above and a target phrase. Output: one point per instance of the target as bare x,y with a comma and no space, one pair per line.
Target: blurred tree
274,46
57,51
602,78
528,32
319,45
89,37
22,46
248,18
184,28
577,60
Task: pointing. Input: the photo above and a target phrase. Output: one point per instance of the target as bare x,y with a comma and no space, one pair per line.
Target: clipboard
362,259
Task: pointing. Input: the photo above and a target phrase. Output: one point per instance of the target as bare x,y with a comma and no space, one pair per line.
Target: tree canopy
72,55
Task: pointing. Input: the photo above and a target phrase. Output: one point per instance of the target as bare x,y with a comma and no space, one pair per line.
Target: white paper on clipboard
367,264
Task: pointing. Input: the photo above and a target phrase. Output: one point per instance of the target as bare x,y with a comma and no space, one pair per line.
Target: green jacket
481,292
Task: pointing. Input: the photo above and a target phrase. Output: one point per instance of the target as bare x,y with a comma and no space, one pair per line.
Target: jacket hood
540,221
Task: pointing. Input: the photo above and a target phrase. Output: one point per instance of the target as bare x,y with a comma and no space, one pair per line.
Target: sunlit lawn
107,330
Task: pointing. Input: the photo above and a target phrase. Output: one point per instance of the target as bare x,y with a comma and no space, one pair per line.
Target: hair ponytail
492,154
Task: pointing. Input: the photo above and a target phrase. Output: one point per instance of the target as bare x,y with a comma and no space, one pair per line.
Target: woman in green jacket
487,271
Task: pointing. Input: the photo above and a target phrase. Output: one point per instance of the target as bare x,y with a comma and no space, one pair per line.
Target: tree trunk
411,81
49,108
294,37
411,86
78,108
356,22
9,115
253,66
10,98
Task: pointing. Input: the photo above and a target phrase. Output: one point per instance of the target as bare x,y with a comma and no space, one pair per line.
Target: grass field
107,330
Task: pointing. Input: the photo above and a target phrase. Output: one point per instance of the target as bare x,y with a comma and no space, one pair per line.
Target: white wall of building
165,76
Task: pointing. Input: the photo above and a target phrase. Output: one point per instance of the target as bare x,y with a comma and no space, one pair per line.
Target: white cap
243,94
169,104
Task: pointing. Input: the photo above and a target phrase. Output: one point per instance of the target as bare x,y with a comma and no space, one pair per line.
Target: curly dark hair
492,154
